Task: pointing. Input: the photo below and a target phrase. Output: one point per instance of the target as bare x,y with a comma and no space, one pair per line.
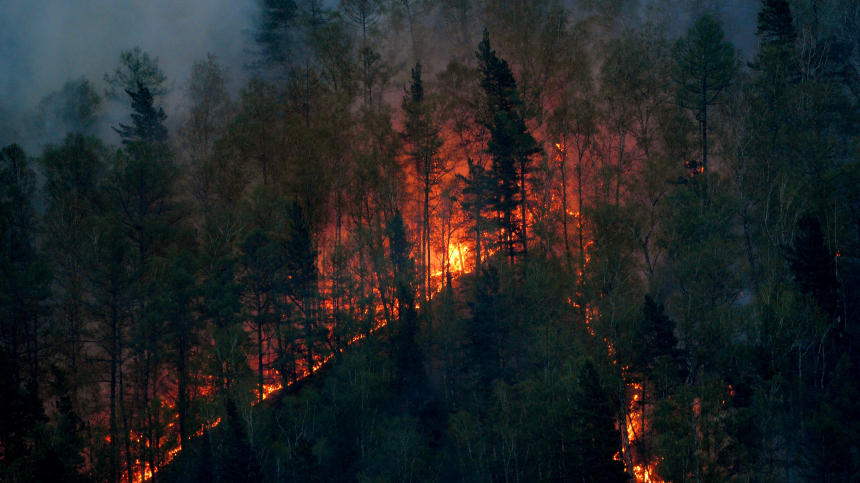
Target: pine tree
777,38
487,330
658,335
814,265
477,202
260,262
422,135
275,34
24,286
148,122
58,445
706,67
596,442
174,303
238,463
406,353
775,23
140,77
511,145
302,286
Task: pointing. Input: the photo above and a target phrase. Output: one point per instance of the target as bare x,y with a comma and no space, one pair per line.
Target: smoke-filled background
45,43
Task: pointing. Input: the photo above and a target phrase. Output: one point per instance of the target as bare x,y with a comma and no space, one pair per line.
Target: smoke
44,43
738,19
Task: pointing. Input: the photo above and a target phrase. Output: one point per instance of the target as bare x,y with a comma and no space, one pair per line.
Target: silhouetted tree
814,265
424,142
706,66
511,145
596,442
147,121
24,286
237,463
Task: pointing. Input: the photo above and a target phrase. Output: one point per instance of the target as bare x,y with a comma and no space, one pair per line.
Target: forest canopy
444,240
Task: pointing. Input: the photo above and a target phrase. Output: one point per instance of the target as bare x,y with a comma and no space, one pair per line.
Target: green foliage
659,358
706,66
140,77
57,454
205,122
74,168
22,413
700,244
24,286
140,187
834,432
775,23
813,265
698,428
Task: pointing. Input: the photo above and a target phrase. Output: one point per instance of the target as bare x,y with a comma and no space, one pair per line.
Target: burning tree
422,134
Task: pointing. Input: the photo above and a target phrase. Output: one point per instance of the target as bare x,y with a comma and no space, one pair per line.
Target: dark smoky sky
738,18
44,43
739,21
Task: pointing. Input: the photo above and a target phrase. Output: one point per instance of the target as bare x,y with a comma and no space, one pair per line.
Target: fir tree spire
147,121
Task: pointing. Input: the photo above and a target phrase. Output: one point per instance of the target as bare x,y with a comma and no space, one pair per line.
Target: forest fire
433,241
643,471
455,261
144,471
457,258
635,423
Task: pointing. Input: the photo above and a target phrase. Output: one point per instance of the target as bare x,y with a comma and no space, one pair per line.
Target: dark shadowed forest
443,241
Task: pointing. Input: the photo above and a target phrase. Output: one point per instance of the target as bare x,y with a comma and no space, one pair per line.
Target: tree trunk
114,433
523,207
564,203
429,285
182,390
260,377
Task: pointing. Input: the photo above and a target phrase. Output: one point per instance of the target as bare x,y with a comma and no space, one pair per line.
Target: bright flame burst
457,258
643,472
454,262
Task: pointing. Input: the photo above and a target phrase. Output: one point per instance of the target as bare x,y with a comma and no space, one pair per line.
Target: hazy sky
43,43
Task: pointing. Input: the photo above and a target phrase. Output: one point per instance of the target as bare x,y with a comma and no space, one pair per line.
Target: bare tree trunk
564,202
429,285
523,207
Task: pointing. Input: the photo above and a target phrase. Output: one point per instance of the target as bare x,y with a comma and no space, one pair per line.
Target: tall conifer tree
511,146
706,66
422,135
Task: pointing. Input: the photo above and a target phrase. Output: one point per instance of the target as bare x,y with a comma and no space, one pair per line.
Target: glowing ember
268,389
